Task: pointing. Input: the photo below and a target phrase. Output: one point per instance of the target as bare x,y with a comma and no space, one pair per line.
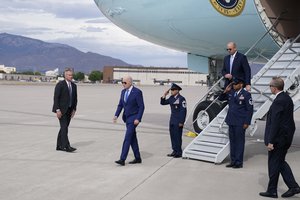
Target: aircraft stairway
212,144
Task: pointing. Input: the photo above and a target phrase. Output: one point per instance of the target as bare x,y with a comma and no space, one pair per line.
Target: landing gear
204,114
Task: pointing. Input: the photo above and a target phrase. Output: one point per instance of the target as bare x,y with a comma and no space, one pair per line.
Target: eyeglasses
228,49
124,83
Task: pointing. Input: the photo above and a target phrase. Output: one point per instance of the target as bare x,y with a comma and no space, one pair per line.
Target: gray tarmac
31,168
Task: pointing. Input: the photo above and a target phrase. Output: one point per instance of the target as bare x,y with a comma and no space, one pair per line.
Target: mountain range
28,54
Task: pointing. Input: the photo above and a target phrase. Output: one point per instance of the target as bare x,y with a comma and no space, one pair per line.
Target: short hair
278,83
68,69
233,44
129,78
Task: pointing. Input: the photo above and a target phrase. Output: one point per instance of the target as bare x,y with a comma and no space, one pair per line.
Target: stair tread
213,143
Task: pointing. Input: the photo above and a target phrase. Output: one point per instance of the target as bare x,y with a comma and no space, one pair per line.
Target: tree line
94,76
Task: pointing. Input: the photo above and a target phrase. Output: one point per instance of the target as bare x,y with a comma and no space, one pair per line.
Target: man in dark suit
236,65
238,119
131,101
279,132
178,113
65,103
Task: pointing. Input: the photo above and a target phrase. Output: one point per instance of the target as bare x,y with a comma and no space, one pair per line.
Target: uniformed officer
238,119
177,119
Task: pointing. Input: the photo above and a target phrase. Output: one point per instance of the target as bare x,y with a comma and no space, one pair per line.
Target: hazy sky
79,23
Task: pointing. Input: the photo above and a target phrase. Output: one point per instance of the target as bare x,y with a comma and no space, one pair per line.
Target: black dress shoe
72,148
58,148
177,156
69,149
230,165
120,162
291,192
237,166
171,154
135,161
268,194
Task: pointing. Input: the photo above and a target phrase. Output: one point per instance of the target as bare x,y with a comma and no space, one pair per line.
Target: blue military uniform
178,115
239,113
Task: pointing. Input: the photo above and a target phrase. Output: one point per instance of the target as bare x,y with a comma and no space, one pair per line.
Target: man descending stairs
212,144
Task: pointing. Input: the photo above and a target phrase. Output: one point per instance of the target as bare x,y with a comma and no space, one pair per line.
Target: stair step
210,144
218,125
266,93
296,45
205,148
212,139
200,153
218,135
213,143
262,84
203,157
258,101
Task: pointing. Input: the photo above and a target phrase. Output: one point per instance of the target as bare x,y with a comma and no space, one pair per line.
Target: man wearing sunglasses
236,65
238,119
132,104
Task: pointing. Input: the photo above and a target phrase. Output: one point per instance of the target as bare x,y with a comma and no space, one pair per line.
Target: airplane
203,28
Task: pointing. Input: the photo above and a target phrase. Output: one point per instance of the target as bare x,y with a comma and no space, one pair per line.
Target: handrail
249,50
273,25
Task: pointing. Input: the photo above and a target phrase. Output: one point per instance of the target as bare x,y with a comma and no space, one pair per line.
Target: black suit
66,104
280,128
240,68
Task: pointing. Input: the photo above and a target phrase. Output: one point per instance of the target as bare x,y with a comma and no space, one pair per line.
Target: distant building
52,73
7,70
154,75
23,77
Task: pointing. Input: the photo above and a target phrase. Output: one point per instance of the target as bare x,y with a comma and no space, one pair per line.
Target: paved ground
31,169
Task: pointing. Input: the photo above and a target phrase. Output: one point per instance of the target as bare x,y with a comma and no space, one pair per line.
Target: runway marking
147,125
143,181
87,128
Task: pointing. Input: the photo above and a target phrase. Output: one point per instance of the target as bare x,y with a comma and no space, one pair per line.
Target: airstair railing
264,35
207,95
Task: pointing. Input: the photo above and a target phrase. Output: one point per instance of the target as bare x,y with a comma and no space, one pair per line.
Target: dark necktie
70,93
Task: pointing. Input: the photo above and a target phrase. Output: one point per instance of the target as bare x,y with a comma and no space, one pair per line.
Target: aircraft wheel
203,117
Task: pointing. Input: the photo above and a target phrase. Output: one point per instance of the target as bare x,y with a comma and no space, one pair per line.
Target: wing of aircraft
203,28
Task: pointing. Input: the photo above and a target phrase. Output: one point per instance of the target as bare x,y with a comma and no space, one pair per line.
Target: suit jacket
240,68
133,107
62,97
240,108
178,108
280,125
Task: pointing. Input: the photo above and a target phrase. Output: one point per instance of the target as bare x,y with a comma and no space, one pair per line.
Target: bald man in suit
132,103
236,65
